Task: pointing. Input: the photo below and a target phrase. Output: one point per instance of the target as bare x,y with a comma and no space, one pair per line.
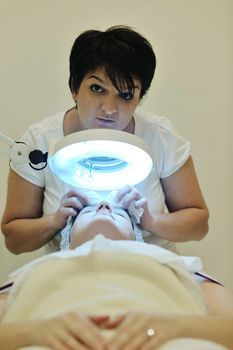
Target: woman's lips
105,120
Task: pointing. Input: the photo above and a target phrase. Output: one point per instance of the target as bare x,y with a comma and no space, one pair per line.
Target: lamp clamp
21,153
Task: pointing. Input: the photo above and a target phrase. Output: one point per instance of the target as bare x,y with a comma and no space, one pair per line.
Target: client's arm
3,298
216,326
67,331
132,330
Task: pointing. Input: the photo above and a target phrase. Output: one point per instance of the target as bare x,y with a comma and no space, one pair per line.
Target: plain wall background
192,86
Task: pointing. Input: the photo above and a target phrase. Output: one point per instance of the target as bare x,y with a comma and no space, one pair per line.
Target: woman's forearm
188,213
24,235
180,226
13,336
215,329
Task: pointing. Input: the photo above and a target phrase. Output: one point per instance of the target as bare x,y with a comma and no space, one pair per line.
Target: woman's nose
104,206
109,105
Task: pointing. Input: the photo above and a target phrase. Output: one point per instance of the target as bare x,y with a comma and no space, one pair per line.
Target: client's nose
104,206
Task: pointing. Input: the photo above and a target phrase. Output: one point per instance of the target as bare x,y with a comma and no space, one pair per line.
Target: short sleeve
173,149
33,138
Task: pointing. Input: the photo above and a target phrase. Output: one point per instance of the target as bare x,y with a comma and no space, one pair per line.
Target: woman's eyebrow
95,77
103,82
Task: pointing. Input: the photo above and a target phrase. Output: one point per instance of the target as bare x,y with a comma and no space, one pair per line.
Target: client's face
112,221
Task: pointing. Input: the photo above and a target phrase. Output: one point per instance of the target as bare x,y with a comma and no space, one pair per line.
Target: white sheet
181,264
109,277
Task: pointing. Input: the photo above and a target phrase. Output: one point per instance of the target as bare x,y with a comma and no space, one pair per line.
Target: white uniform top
169,152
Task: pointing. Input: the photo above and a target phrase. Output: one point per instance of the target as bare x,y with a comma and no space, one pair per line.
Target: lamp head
100,159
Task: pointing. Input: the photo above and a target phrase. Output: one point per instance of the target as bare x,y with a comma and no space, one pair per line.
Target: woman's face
112,221
101,105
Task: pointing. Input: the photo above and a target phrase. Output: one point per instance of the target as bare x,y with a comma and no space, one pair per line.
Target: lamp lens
101,164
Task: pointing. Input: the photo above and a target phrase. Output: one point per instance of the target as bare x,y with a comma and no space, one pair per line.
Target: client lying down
113,292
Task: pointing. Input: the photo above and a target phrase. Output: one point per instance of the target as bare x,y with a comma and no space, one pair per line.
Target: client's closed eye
122,212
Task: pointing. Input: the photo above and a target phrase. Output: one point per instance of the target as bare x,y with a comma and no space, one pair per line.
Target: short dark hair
121,51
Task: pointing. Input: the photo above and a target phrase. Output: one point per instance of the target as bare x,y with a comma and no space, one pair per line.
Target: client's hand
133,329
129,194
71,202
70,330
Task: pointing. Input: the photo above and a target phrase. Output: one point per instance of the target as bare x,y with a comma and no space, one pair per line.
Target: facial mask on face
96,198
135,213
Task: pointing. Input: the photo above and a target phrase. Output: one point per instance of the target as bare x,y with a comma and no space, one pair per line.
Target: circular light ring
101,159
102,164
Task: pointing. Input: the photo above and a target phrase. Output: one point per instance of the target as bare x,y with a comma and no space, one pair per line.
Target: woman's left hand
129,194
132,330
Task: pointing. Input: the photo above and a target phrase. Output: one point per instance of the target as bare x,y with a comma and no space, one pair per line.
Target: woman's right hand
69,331
71,203
129,194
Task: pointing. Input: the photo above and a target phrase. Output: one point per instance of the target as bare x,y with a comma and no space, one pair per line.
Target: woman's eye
96,88
127,96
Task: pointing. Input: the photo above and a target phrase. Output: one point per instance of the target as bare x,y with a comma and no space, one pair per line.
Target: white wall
192,86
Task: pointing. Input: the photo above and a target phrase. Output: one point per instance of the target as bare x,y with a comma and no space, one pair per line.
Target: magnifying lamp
100,159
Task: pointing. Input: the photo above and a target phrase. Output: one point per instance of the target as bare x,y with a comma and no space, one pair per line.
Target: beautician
110,72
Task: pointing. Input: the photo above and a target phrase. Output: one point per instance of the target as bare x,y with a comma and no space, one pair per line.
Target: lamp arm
6,139
9,142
